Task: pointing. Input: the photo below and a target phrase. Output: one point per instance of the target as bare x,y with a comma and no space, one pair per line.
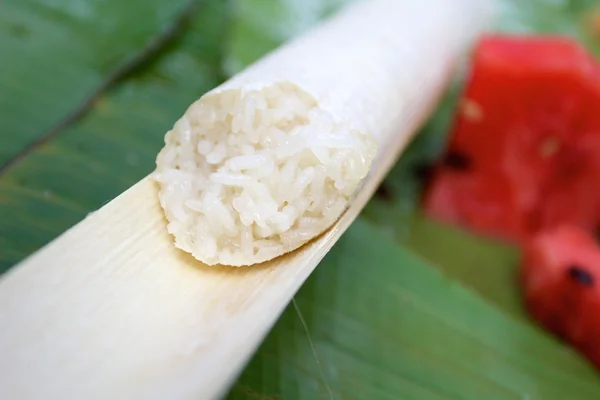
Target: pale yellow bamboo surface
112,310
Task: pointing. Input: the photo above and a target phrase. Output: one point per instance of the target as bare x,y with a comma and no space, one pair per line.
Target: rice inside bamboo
270,159
248,176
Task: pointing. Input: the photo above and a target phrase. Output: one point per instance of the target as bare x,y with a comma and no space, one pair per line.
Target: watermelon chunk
560,275
524,151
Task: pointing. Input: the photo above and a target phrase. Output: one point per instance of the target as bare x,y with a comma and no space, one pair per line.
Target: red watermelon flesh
527,130
560,275
572,193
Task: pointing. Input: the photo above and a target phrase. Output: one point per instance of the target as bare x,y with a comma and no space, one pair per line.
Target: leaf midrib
148,53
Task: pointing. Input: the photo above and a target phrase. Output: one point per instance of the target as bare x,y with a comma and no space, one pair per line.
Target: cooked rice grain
246,176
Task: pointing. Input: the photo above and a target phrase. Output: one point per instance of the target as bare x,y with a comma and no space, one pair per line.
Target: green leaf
57,54
259,26
384,325
112,147
567,17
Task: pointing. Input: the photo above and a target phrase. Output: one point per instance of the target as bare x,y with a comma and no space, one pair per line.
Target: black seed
457,161
384,192
423,172
597,233
581,276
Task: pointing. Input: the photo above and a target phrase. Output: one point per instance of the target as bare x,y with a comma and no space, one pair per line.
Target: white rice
246,176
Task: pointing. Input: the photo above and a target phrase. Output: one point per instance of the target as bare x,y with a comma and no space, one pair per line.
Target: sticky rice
270,159
251,175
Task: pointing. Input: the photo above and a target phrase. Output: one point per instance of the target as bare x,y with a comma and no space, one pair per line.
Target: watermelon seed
471,110
581,276
457,161
549,146
597,233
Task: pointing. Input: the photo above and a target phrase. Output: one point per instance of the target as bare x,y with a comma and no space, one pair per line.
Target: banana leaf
401,308
68,51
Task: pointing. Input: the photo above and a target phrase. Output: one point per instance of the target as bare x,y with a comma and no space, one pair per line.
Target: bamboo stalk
111,309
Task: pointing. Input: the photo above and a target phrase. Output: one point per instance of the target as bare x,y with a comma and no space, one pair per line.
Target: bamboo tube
113,310
268,160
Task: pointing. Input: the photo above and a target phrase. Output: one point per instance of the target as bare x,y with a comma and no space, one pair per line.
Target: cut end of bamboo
247,176
112,309
268,160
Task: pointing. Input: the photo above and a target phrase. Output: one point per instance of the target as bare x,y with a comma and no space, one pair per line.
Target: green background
401,308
